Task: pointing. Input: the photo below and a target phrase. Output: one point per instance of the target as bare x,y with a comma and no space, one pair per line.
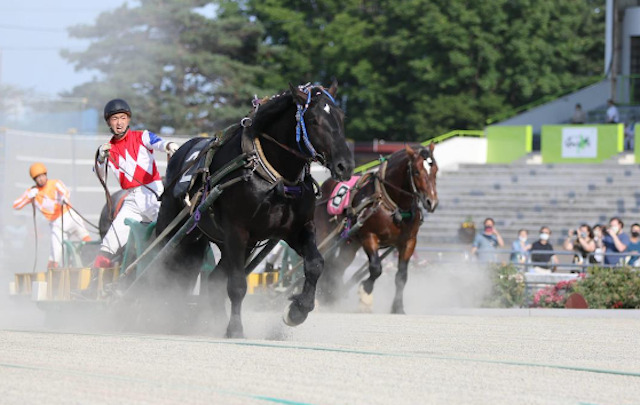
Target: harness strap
253,146
285,147
381,190
208,150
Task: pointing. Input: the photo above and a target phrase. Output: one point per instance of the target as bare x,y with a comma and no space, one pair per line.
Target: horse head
424,170
320,125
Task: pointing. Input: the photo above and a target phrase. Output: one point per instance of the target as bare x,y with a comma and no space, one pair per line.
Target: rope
81,217
35,232
64,262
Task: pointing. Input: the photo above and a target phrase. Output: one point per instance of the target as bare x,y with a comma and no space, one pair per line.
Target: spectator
613,116
485,244
581,241
540,256
578,115
634,245
615,242
520,248
598,254
629,135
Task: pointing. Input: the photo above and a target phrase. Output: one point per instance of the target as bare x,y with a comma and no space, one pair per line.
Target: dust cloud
432,286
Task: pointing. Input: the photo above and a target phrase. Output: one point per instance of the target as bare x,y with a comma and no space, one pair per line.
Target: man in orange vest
51,197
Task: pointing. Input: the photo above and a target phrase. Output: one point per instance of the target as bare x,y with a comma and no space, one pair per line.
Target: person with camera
598,254
520,248
485,244
581,241
615,242
634,246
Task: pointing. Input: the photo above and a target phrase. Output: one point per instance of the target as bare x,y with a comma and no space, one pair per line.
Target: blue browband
301,128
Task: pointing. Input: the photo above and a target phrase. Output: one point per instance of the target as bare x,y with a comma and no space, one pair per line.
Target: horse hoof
234,334
293,316
366,300
398,310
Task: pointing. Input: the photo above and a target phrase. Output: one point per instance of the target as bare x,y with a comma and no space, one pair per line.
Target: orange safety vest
48,200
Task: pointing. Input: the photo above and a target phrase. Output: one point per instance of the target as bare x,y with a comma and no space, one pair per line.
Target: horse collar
262,166
382,190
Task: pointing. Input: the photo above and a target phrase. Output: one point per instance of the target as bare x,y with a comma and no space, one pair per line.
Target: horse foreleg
401,276
232,263
401,281
303,303
371,246
217,296
236,289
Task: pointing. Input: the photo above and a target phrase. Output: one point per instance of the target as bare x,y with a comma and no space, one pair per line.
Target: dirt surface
455,356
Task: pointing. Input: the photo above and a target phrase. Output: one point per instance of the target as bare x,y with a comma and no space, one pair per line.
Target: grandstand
528,194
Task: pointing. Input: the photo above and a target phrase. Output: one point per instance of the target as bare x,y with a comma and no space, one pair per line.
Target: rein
80,215
287,148
132,177
103,182
35,232
379,176
414,193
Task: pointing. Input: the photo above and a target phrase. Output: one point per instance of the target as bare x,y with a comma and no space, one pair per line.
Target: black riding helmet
116,106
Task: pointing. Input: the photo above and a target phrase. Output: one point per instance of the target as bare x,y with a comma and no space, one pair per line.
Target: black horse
273,198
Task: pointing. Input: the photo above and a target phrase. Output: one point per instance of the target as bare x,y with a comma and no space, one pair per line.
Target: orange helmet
37,169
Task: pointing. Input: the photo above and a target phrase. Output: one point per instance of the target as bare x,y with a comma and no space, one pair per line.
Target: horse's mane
276,104
401,154
269,107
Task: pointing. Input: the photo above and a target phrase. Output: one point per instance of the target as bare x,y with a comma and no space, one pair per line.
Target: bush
610,288
507,287
554,296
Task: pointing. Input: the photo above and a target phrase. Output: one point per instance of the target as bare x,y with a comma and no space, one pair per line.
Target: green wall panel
506,144
580,143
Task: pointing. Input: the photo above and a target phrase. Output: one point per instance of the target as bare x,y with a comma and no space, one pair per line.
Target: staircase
524,195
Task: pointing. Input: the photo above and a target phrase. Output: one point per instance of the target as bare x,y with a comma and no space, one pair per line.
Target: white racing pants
140,205
73,228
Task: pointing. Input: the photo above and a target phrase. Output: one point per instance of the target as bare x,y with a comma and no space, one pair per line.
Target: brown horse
386,203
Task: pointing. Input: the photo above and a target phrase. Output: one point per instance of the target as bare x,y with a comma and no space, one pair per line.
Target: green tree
412,69
176,67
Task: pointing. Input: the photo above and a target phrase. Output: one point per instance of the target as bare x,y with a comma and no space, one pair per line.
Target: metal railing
440,255
543,100
437,139
628,89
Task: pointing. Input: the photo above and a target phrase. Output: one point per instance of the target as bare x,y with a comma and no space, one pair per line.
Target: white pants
140,205
276,253
73,227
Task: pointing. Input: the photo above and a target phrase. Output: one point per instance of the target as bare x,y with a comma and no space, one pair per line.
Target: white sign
579,142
